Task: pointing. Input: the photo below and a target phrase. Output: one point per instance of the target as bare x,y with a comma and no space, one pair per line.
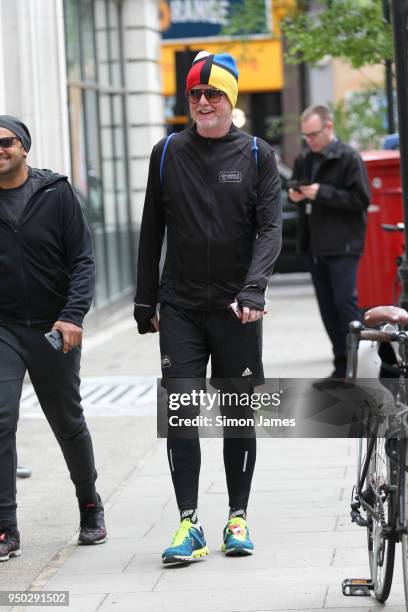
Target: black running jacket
222,212
47,268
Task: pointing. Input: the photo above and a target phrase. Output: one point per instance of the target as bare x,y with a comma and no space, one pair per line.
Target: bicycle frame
380,489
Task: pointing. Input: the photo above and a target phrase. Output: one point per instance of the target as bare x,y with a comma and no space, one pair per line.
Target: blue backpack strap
255,150
166,144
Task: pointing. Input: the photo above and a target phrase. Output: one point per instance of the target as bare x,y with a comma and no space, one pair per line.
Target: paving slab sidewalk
298,514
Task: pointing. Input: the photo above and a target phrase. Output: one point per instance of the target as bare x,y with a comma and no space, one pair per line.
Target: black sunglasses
211,95
7,142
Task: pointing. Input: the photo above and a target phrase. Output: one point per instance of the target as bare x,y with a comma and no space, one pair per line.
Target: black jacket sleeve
355,191
79,257
150,246
269,235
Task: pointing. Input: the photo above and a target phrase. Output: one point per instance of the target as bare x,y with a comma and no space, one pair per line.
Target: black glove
143,316
251,297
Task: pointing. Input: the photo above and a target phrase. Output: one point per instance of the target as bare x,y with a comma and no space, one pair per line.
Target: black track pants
55,378
187,340
334,280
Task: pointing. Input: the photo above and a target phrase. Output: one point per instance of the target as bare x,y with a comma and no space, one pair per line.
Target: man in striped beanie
216,190
213,78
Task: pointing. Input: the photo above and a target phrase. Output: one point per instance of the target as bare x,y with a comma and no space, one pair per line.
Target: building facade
85,77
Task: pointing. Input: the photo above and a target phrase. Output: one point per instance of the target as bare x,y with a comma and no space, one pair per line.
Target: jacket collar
231,135
333,151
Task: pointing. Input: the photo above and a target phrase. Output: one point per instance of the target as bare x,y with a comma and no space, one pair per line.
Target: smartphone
236,310
296,184
54,337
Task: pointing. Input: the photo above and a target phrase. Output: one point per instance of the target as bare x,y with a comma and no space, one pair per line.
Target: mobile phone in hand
297,184
54,337
236,310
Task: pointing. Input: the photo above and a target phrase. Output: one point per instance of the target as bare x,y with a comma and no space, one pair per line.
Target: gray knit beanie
19,129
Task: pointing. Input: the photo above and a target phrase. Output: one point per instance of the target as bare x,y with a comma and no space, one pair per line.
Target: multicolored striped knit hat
219,71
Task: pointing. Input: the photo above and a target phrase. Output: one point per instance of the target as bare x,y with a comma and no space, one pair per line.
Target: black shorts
188,338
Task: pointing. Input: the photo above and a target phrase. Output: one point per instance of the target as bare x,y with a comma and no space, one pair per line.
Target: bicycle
380,496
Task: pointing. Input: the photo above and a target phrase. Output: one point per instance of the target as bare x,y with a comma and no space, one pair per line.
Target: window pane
98,143
120,179
114,40
72,39
87,39
101,288
105,109
113,261
108,186
119,141
92,129
78,151
117,110
102,42
100,14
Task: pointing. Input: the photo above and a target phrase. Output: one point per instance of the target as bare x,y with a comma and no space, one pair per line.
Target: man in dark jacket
46,283
333,197
217,192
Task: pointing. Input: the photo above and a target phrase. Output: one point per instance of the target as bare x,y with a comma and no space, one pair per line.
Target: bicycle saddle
380,315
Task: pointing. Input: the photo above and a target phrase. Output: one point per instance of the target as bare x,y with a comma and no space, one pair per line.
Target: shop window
96,95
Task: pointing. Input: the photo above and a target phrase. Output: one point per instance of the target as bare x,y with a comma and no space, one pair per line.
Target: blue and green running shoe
236,538
188,544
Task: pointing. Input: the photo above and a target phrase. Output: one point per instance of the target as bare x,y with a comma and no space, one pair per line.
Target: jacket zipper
209,226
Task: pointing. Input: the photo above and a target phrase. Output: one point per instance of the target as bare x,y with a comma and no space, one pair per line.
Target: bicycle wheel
381,550
404,539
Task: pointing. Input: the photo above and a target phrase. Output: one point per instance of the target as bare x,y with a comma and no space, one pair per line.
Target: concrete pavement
298,514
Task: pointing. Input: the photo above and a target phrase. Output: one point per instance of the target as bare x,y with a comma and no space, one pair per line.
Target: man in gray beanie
47,275
19,129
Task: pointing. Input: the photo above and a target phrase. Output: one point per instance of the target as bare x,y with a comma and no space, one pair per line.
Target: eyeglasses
312,134
7,142
211,95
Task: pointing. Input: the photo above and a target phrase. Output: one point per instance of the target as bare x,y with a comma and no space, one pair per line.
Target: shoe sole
196,556
237,552
14,553
92,543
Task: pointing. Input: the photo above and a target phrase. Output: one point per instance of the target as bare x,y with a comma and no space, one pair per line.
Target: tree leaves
350,29
246,19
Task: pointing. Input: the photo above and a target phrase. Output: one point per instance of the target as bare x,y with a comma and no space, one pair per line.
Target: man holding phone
221,206
47,273
330,185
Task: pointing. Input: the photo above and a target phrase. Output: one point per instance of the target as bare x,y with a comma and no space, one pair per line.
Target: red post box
377,276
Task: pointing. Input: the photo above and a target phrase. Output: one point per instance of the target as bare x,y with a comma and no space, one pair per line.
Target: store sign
189,19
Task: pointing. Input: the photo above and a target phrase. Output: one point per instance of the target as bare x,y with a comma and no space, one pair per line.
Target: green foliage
350,29
360,118
247,18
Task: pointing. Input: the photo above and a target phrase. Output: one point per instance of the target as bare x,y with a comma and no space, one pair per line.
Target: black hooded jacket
222,212
47,268
338,219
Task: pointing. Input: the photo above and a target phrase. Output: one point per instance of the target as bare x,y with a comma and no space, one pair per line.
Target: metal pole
399,14
388,78
390,97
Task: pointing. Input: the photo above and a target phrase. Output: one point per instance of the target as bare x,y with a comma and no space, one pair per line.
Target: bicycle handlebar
378,335
359,332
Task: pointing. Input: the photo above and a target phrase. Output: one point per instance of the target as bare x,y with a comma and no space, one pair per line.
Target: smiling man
217,192
47,274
